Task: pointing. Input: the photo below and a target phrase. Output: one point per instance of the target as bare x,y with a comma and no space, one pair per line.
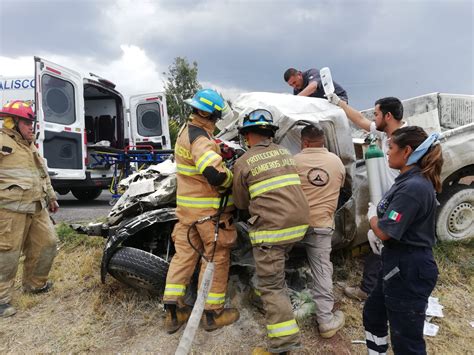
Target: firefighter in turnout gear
202,178
25,194
267,184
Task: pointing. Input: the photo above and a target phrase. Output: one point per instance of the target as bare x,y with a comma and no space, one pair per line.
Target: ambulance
79,116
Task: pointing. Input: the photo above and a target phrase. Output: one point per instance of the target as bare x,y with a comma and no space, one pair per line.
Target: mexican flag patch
395,216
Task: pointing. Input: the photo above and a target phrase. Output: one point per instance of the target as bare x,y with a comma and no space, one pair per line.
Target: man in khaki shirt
322,175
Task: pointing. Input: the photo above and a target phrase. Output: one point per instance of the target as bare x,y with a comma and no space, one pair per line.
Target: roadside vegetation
81,314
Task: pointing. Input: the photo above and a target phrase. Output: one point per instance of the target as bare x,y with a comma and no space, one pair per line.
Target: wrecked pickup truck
139,226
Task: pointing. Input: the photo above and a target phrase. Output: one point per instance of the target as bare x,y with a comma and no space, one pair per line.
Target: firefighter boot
176,317
6,310
212,319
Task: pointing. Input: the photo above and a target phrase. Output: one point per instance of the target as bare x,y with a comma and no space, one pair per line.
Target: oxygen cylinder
376,172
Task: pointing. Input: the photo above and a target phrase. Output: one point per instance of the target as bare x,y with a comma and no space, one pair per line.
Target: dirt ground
82,315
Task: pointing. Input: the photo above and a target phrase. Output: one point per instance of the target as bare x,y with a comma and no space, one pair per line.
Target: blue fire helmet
256,120
207,100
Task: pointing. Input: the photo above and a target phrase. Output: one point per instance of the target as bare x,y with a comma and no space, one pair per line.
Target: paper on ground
435,309
430,329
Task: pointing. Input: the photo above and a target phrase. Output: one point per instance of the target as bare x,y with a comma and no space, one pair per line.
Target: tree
182,84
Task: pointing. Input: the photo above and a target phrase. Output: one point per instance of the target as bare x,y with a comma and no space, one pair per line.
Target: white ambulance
78,117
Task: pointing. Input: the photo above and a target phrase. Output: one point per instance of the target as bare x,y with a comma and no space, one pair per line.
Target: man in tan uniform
25,193
267,184
202,177
322,176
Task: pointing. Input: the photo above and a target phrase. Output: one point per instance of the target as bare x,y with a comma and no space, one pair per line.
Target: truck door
59,95
149,121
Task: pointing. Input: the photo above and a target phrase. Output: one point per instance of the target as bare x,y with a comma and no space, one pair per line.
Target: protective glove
372,212
333,98
375,243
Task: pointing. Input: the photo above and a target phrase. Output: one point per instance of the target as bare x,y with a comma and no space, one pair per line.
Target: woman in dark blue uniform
405,220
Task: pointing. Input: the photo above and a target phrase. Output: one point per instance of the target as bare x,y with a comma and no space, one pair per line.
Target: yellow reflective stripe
206,159
201,202
257,292
282,329
228,181
210,103
175,290
273,183
278,235
215,298
186,169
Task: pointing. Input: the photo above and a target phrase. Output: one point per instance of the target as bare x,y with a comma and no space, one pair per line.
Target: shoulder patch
195,132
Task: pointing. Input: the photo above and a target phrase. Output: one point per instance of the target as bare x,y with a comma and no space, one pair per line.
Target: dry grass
82,315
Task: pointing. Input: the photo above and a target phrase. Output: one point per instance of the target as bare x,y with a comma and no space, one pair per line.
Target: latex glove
53,206
333,98
375,243
372,212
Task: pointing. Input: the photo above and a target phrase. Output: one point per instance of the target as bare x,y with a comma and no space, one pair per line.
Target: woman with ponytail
405,221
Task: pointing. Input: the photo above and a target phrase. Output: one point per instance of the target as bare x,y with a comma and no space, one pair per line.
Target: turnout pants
184,261
400,298
317,242
282,330
32,234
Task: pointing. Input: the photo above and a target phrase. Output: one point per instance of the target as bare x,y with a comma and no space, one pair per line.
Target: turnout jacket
201,172
267,184
25,185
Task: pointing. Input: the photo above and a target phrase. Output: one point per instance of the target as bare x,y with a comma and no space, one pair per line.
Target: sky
374,48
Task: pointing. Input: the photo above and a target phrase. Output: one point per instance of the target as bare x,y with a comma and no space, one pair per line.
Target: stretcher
124,162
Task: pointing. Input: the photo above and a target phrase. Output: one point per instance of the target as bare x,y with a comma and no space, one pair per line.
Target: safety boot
6,310
212,319
43,289
176,317
356,293
328,330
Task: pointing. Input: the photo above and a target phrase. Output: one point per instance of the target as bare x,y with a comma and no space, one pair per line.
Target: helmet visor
260,115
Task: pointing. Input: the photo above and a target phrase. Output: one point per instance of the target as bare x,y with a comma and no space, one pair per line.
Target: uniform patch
318,177
395,216
6,149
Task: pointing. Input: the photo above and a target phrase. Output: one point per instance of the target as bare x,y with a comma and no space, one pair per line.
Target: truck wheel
87,194
455,220
139,269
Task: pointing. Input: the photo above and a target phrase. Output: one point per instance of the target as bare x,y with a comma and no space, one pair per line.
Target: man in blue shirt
308,83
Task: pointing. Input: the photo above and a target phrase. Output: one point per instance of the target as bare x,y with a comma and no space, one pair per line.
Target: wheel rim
460,219
134,281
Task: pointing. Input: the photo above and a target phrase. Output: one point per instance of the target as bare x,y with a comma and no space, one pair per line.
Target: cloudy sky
374,48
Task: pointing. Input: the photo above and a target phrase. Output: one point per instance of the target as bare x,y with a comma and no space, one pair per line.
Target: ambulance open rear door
59,96
149,121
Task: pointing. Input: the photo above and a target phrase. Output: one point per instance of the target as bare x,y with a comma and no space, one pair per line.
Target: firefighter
267,184
202,178
25,195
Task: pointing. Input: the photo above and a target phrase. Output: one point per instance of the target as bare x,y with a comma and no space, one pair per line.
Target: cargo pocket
227,233
428,276
6,235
